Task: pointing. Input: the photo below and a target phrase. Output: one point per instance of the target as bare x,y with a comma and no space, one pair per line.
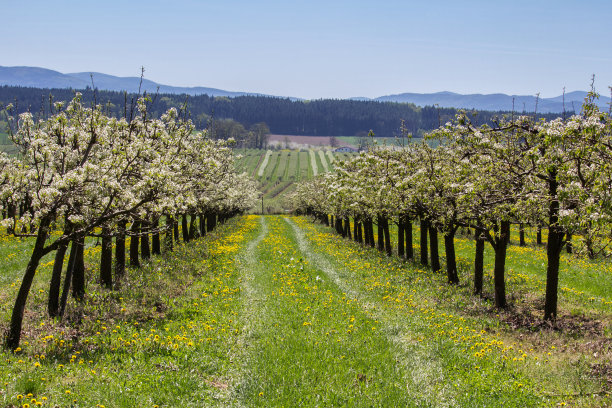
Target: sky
321,49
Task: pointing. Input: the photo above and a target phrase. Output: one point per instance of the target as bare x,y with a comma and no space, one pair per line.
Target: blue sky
320,49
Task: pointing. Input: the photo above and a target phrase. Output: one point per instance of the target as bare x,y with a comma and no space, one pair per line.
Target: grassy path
277,312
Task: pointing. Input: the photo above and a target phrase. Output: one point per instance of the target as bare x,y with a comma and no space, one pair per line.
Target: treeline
323,117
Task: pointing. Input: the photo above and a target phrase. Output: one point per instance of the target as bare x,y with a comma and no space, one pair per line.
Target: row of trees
83,173
324,117
546,174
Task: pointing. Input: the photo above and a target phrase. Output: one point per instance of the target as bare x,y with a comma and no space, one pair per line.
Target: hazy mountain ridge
45,78
497,102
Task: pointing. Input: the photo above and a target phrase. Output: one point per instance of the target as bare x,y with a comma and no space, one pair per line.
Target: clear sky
320,49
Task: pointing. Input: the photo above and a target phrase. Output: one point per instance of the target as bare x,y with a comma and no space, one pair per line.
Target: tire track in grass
310,344
470,366
248,261
423,368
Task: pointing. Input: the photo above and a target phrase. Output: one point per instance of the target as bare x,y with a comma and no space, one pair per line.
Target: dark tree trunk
169,232
145,248
451,260
553,249
120,251
479,262
155,240
78,275
211,222
68,276
185,228
539,236
521,234
347,227
499,272
408,235
14,334
400,237
358,225
424,228
433,250
202,225
56,281
568,244
175,228
387,233
325,220
106,259
134,239
371,233
380,245
355,233
192,227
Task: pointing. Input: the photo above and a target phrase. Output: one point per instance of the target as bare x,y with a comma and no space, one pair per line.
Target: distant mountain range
45,78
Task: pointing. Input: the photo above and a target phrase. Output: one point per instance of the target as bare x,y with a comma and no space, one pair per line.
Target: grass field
277,171
275,311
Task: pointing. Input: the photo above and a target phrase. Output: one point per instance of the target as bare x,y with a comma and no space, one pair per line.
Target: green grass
275,311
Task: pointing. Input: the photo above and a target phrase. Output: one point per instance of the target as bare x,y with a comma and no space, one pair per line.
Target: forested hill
323,117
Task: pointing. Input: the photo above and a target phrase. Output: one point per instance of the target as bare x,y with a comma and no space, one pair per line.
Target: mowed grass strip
313,345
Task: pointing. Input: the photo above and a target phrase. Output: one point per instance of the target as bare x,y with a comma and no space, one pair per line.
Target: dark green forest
321,117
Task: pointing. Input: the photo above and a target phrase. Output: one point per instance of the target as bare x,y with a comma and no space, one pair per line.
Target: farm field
277,311
278,174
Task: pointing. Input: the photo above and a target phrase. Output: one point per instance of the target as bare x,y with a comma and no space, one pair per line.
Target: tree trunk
380,245
56,281
120,250
202,225
14,334
424,228
78,274
539,236
433,250
155,240
175,228
371,232
499,272
521,234
68,276
451,260
192,227
400,237
134,237
106,259
479,262
408,240
388,247
211,222
145,248
568,244
347,227
169,228
355,233
185,228
553,249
